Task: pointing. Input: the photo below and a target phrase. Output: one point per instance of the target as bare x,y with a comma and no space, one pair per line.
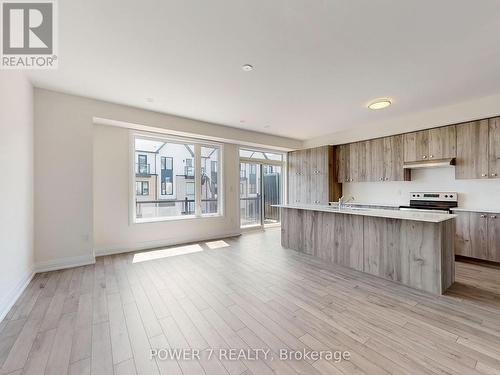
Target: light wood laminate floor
247,292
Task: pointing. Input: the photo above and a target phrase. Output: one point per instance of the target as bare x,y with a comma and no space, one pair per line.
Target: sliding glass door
261,187
271,183
250,194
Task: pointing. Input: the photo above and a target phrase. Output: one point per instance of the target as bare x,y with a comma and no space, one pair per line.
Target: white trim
9,301
145,245
197,180
62,263
153,129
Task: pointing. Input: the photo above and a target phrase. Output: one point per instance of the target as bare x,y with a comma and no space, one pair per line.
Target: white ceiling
317,63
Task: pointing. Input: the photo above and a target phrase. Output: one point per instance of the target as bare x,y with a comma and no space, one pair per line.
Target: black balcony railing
142,169
179,207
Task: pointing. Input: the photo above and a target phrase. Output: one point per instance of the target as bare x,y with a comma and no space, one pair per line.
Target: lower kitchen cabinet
477,235
494,237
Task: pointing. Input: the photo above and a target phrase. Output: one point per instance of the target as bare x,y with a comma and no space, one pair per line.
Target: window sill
175,218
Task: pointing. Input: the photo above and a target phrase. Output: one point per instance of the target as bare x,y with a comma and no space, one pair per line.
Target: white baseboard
68,262
126,248
12,297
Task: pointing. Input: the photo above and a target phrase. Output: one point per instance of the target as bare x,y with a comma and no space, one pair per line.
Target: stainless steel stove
431,202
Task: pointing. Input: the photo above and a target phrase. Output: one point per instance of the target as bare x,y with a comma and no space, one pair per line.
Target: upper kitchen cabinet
443,142
432,144
311,178
494,147
343,161
473,144
379,159
393,159
384,159
375,160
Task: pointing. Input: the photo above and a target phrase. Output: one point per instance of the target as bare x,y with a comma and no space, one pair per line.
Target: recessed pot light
247,68
380,103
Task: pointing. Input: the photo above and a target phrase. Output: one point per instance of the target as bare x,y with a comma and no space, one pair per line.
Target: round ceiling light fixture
380,103
247,68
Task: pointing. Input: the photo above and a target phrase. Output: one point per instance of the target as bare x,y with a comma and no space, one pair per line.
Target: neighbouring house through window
175,178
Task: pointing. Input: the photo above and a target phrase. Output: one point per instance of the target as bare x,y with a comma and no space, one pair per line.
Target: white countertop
486,211
389,214
369,205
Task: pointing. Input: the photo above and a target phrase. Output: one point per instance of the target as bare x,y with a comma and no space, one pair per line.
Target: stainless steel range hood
430,163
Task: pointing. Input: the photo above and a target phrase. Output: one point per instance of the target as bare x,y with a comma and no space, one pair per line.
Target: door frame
283,191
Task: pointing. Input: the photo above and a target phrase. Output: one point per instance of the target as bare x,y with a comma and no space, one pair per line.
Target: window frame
196,162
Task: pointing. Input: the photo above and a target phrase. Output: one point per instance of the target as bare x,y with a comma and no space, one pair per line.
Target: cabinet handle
484,175
493,175
493,216
431,156
483,216
424,157
387,178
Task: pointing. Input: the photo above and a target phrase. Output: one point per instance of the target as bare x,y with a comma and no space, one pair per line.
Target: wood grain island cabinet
416,253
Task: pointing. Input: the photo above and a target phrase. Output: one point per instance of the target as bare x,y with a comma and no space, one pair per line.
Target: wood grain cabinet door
342,155
293,178
393,158
472,150
494,149
442,143
376,160
319,175
416,146
362,161
305,176
494,237
463,244
479,235
353,162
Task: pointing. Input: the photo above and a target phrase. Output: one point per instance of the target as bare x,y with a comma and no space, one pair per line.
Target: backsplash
474,194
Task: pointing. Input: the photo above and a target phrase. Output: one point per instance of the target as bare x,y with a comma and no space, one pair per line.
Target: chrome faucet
343,202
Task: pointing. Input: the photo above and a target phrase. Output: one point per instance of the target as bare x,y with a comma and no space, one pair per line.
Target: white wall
112,230
475,109
16,186
473,194
64,198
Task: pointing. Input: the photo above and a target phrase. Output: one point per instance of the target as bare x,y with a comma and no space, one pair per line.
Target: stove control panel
423,196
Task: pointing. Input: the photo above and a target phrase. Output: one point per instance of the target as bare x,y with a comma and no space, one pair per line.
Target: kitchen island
412,248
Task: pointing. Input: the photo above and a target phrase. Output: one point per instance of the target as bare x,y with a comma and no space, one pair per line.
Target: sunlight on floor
217,244
165,253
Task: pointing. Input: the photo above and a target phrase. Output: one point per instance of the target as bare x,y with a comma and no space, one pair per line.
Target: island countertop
388,214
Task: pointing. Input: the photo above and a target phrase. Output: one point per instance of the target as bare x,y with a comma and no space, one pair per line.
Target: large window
175,178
